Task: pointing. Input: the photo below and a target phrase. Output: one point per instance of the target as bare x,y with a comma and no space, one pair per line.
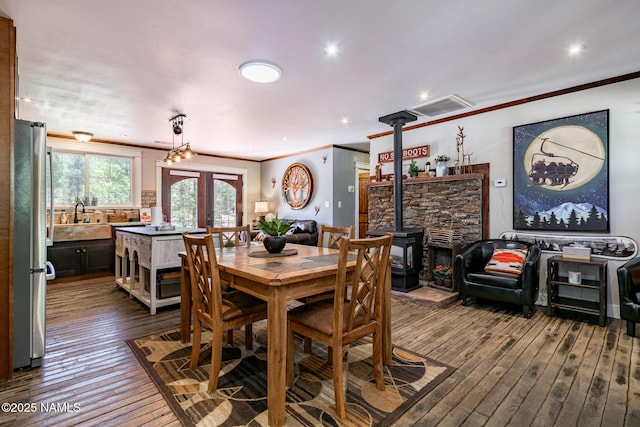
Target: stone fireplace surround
424,200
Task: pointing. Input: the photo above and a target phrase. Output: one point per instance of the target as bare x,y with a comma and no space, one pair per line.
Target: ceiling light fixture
260,71
576,49
331,49
82,136
183,151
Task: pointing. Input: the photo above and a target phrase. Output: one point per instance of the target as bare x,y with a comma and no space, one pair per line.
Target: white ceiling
122,68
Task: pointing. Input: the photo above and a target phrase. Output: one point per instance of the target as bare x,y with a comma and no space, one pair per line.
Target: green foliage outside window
91,179
224,208
184,203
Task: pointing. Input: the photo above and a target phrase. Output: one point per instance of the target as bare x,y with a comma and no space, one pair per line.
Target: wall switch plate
339,203
327,204
500,183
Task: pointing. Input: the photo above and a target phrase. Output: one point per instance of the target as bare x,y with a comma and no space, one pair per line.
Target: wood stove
406,249
406,252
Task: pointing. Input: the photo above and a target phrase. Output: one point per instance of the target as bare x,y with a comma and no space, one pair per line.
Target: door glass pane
224,204
184,203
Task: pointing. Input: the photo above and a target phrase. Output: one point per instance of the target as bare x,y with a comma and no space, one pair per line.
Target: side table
593,277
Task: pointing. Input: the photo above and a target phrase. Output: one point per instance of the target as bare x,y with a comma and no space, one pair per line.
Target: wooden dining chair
333,235
211,309
228,237
355,312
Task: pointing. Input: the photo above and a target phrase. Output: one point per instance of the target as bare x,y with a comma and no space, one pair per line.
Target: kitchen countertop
128,224
150,232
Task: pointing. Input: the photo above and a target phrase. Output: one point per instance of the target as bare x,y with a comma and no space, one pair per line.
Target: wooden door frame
358,167
205,186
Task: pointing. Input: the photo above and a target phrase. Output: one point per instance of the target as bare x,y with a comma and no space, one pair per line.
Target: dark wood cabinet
82,257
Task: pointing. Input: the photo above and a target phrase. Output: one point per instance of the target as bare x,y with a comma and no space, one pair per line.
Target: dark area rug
241,397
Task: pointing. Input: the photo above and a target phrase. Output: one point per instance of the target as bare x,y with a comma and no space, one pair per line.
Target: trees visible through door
197,199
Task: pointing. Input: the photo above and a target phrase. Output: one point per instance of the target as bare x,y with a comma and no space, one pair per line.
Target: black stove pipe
397,121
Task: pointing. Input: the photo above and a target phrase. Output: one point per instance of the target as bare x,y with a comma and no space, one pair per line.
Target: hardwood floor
510,371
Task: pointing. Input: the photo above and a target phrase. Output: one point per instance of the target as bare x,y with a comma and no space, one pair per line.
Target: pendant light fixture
183,151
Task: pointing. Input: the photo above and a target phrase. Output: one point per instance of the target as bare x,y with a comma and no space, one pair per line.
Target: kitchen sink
81,231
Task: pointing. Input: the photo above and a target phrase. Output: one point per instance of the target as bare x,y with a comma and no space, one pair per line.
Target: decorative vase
447,283
274,244
441,169
439,281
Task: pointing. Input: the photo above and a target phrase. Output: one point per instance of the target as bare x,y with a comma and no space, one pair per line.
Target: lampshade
262,207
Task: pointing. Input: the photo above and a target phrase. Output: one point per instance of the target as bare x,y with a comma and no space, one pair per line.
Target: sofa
478,274
629,291
302,232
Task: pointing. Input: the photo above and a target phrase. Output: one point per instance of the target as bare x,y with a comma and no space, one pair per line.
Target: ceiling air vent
441,106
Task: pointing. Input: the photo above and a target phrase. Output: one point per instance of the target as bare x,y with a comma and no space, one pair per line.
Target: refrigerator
33,185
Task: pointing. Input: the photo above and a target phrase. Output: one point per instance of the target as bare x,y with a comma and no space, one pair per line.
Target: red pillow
507,261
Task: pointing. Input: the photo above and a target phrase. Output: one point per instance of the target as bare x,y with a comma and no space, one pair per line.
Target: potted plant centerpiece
441,164
274,230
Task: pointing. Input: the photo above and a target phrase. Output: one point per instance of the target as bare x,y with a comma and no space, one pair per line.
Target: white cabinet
141,254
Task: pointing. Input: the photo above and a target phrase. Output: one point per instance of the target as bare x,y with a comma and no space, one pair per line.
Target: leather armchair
629,289
474,281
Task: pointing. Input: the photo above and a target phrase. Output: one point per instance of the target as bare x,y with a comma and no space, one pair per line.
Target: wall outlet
500,182
327,204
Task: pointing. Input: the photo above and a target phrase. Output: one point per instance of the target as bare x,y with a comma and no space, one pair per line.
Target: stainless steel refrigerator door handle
50,271
49,236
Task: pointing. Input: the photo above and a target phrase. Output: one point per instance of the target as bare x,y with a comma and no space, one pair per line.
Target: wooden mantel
418,180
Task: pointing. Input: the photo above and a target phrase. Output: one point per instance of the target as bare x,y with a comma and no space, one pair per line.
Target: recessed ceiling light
576,49
260,71
331,49
424,95
345,120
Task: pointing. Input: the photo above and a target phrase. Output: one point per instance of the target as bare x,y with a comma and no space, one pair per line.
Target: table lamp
261,208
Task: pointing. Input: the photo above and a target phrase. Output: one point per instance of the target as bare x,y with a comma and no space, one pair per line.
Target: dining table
302,271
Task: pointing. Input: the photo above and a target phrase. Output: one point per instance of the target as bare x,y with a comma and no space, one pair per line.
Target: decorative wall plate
297,186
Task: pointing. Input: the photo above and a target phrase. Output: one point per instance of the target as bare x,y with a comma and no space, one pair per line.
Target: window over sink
91,179
95,174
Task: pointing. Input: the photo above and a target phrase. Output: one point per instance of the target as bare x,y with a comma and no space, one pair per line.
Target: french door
197,199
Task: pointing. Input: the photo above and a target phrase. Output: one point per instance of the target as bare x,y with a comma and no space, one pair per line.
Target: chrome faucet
75,212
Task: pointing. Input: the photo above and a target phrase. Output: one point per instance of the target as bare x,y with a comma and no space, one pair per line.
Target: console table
140,253
593,274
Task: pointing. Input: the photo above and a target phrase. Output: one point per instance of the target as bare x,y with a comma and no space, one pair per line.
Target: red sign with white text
407,153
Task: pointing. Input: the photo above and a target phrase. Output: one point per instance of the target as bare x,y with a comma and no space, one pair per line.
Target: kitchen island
143,255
